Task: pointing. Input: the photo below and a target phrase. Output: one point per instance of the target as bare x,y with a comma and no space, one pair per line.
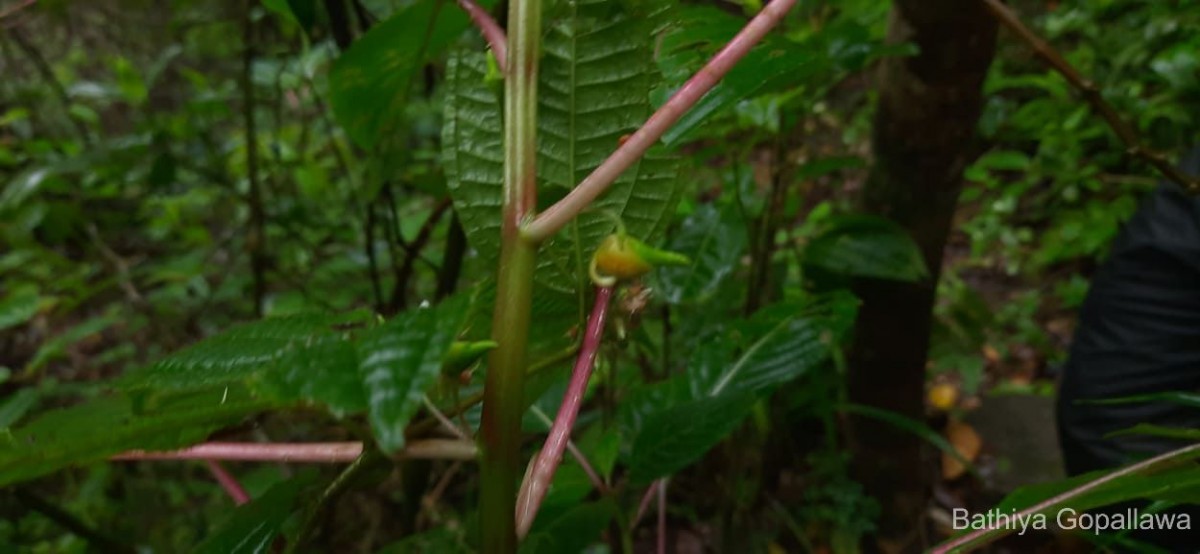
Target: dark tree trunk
923,139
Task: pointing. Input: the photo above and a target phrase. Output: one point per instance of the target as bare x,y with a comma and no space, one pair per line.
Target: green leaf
866,246
370,81
912,426
672,439
101,428
573,531
236,354
714,239
18,307
789,339
13,408
473,153
399,361
1159,431
776,63
252,528
324,370
594,88
1181,398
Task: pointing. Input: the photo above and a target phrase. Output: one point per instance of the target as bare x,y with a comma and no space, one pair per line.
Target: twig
534,489
445,421
13,9
313,452
563,211
412,251
228,482
993,533
491,31
1091,94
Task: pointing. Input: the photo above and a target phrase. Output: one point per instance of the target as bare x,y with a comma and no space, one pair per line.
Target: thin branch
13,9
588,468
1091,94
445,421
534,489
228,482
412,252
990,534
313,452
563,211
491,31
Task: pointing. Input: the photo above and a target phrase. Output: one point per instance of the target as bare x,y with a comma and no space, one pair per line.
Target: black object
1139,333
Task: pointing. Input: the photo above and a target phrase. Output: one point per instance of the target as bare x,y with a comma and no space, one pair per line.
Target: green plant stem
503,401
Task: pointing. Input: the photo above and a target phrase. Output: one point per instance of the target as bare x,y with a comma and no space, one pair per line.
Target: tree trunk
928,107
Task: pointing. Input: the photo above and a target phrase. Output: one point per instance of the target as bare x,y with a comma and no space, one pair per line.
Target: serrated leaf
101,428
370,81
473,151
672,439
714,239
776,63
236,354
323,370
594,88
867,246
398,362
252,528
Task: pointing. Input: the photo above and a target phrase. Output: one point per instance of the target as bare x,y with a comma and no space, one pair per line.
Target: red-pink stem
985,535
534,489
315,452
228,482
563,211
491,31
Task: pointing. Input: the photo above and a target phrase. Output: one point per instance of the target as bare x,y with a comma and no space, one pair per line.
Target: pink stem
491,31
563,211
987,534
533,490
326,452
228,482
